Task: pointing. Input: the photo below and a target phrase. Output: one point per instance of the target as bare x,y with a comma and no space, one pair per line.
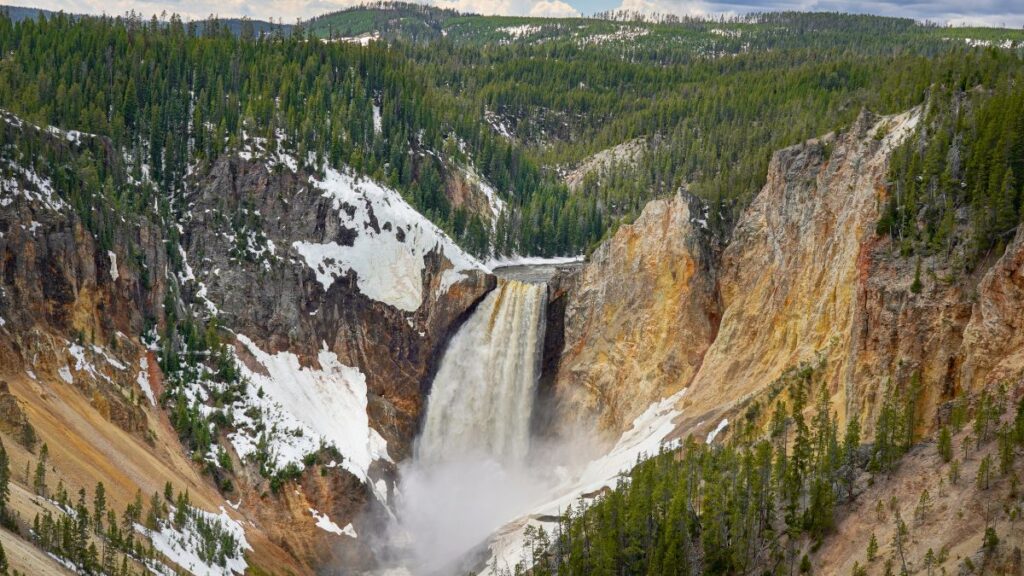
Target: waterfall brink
482,397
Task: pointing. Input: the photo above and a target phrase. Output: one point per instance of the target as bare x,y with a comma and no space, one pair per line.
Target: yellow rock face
638,323
993,343
789,277
789,288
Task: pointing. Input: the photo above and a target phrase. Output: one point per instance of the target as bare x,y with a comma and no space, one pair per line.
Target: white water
470,473
476,481
482,397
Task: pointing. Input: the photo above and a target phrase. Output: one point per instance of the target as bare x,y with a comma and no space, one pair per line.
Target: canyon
376,349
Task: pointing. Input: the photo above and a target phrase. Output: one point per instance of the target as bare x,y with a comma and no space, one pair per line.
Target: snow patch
504,261
110,359
36,189
1005,44
378,124
328,404
324,523
81,364
183,545
113,266
498,124
65,374
718,429
143,380
362,39
521,31
391,243
623,34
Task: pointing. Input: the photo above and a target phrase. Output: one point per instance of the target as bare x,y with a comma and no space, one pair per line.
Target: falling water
470,473
482,396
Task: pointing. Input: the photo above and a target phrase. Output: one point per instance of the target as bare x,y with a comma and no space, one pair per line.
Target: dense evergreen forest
708,100
759,503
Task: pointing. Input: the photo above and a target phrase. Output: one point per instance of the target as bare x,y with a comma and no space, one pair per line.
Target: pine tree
5,478
99,507
984,478
900,536
155,512
872,548
39,479
916,286
851,446
923,506
945,444
929,561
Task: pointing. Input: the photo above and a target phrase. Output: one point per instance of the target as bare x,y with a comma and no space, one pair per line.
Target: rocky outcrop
78,295
468,191
255,282
281,272
13,420
74,301
790,277
804,279
658,310
639,317
624,154
993,343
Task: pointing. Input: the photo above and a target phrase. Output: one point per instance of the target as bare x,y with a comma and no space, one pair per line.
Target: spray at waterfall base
476,466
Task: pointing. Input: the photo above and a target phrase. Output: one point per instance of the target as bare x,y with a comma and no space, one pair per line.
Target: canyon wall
638,318
803,280
335,297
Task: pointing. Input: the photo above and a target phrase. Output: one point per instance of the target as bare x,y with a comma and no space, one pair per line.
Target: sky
1009,13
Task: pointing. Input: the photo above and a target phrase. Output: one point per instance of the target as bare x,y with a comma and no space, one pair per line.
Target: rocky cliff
328,263
261,275
804,279
638,318
334,297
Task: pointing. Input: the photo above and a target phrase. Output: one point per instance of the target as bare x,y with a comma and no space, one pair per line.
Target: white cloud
538,8
553,9
678,7
958,12
955,12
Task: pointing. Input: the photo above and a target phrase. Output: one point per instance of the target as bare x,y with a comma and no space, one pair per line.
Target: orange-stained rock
993,343
641,314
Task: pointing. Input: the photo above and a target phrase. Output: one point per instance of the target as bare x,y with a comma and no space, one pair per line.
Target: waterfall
482,397
470,475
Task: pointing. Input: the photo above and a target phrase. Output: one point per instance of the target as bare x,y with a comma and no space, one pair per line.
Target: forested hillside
765,502
516,100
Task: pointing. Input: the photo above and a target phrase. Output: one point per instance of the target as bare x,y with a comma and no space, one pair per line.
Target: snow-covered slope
328,405
387,253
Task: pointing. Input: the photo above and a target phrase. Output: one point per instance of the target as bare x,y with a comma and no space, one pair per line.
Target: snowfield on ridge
387,254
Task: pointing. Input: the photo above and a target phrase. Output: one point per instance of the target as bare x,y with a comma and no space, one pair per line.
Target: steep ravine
664,311
664,306
339,302
278,254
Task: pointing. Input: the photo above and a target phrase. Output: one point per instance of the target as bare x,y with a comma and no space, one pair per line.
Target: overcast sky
974,12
